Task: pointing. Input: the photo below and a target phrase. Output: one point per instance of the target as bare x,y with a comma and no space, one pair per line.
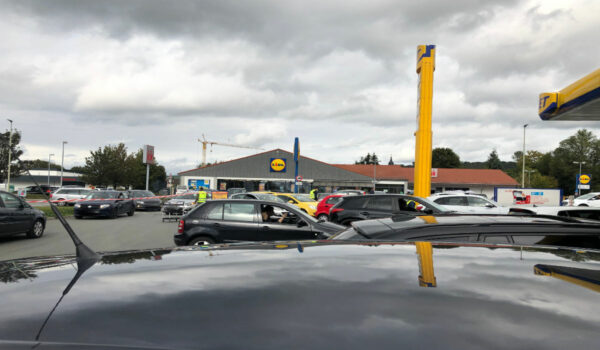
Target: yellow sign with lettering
278,165
584,179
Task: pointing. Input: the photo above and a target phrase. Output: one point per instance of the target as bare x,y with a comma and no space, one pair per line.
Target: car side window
277,215
448,239
381,203
495,239
214,212
10,201
527,239
584,214
333,200
287,199
453,200
239,212
478,202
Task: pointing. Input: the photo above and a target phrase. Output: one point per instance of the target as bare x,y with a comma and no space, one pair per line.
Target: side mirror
490,205
291,201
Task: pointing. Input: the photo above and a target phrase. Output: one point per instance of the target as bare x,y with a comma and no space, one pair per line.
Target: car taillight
180,226
336,210
50,195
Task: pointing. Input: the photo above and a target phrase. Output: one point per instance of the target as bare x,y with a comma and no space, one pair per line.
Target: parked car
234,190
42,189
64,194
108,204
181,189
232,220
257,195
181,204
325,206
468,203
350,192
301,200
17,217
489,229
572,212
374,206
305,295
591,199
142,202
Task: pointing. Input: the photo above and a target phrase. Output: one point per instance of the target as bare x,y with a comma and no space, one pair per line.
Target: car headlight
103,206
140,202
313,207
77,205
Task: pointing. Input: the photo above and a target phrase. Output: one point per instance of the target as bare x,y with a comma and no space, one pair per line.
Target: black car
142,202
474,228
305,296
108,204
233,220
355,208
16,217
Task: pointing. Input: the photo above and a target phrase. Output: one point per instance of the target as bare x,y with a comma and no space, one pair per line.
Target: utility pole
577,190
523,177
62,162
9,155
50,155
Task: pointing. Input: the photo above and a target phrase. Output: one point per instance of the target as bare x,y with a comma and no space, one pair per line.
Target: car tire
77,217
131,212
37,230
583,205
323,217
201,240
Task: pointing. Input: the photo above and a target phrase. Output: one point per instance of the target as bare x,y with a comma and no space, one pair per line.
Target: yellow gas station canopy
578,101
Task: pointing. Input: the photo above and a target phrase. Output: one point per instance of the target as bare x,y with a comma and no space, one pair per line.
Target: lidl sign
278,165
584,179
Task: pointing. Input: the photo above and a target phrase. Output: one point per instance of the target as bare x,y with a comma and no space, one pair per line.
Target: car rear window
584,214
214,212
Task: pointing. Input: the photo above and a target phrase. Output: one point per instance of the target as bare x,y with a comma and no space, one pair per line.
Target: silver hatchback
68,193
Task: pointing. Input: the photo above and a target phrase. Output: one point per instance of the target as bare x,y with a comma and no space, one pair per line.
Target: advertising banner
148,156
541,197
197,183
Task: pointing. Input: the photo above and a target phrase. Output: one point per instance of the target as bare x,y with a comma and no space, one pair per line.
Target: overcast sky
338,74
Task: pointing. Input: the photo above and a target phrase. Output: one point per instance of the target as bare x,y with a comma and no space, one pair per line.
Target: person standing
201,196
314,194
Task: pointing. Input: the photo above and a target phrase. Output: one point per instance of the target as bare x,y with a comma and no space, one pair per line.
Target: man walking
314,194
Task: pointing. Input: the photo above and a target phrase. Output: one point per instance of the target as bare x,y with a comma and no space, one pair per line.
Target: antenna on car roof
82,251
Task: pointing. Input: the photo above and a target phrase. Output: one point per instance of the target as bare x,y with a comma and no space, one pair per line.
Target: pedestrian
314,194
201,196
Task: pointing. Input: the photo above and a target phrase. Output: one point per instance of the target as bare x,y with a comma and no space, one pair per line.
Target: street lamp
50,155
523,177
9,155
577,190
62,162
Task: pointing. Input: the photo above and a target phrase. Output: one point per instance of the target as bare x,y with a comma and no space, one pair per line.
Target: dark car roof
296,297
440,223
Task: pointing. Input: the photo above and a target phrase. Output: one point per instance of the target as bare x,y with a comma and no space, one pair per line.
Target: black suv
354,208
233,220
474,228
16,216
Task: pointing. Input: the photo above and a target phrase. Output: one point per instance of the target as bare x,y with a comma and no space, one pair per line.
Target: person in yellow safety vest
314,193
201,196
411,204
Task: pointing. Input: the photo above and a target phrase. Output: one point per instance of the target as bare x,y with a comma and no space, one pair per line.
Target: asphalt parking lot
140,231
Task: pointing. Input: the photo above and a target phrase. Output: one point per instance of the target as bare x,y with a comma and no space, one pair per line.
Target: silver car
68,193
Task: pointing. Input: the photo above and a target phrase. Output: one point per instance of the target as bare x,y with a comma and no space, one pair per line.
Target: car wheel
323,217
77,216
583,205
114,213
201,241
131,212
37,230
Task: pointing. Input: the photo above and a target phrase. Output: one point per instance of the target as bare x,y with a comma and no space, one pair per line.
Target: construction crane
211,143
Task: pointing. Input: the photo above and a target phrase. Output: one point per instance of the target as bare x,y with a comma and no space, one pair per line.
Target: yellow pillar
425,68
426,274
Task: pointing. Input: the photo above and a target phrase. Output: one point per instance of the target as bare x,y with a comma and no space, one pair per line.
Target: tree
136,172
391,162
78,169
444,158
493,161
40,164
15,152
368,159
107,166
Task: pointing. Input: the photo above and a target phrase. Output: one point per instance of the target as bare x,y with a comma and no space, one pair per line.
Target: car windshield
303,197
101,195
187,196
268,197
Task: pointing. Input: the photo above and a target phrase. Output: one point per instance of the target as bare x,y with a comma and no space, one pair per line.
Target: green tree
136,173
368,159
40,164
107,166
493,161
15,151
444,158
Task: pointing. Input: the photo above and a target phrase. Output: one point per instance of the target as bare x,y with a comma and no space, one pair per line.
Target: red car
325,205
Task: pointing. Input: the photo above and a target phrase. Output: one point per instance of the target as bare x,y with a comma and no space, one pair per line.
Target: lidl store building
274,171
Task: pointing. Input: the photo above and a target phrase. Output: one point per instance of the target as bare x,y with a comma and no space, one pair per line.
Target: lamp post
523,177
62,162
9,155
50,155
577,190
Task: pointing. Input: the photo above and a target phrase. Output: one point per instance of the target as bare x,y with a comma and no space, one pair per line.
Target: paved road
143,230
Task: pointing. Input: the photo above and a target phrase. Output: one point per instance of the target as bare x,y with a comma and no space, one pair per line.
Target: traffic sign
584,179
434,172
299,178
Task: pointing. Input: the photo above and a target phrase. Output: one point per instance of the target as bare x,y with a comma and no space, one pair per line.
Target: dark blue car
108,204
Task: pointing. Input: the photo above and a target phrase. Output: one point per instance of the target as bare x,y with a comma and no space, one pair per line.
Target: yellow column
426,274
425,68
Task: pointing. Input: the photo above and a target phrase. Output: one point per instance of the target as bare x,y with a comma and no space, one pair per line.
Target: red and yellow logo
277,165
